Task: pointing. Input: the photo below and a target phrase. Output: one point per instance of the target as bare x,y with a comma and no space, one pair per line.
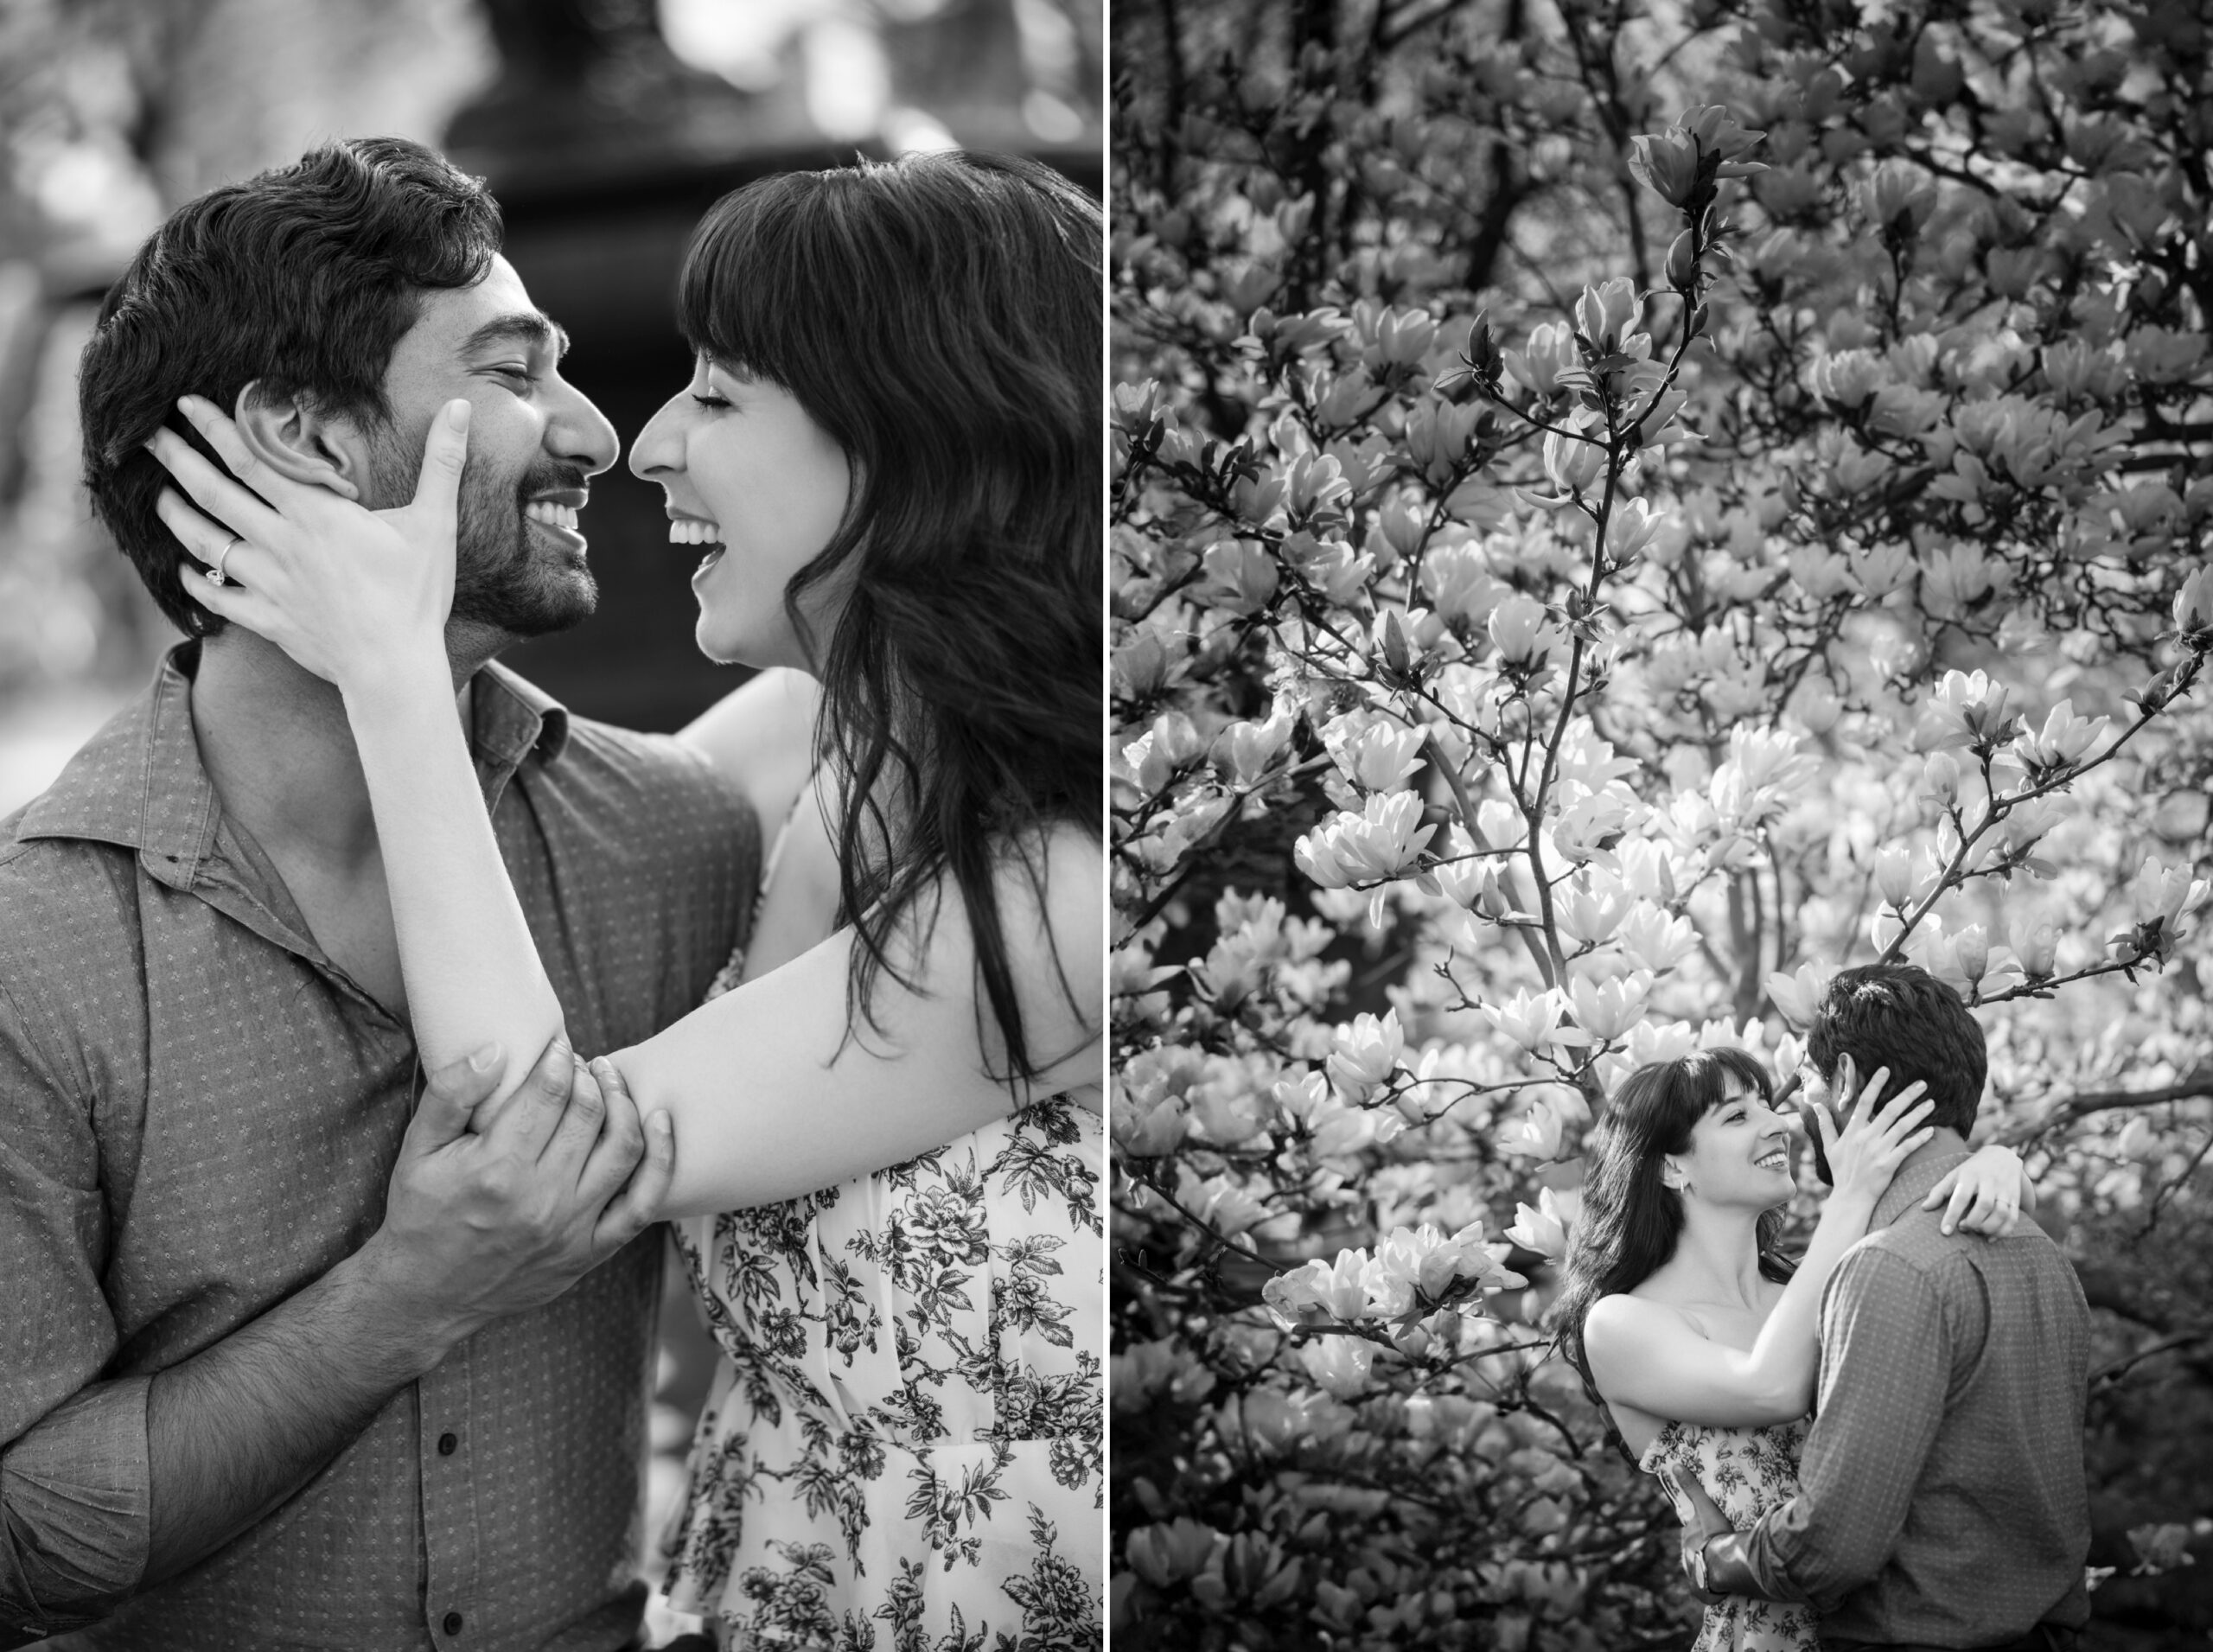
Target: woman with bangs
885,1121
1695,1336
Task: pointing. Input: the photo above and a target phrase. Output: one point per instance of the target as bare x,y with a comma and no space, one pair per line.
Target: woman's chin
728,644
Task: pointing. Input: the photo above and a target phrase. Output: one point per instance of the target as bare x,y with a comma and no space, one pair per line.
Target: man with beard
281,1367
1940,1497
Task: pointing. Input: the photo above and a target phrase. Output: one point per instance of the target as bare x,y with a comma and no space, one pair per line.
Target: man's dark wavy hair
939,316
1901,1017
1630,1218
302,278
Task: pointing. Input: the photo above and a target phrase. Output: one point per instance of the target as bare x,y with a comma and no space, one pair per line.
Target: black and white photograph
1660,613
551,789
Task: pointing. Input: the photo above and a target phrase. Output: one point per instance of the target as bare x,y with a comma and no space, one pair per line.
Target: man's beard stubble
501,583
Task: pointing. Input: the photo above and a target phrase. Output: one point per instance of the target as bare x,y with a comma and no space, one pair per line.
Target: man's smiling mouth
553,514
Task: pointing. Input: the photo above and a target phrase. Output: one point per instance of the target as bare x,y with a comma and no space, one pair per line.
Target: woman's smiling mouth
694,530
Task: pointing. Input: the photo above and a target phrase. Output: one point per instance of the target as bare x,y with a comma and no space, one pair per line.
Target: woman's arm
769,1096
361,598
772,1098
1645,1354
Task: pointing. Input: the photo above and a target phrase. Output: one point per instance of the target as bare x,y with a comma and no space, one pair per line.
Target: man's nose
580,434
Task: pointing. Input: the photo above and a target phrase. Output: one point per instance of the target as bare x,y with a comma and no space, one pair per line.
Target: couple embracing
302,1351
1935,1497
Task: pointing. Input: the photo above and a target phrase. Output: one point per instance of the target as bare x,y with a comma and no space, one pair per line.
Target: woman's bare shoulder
761,738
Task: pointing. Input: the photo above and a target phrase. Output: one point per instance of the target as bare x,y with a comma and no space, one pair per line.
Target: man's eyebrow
524,327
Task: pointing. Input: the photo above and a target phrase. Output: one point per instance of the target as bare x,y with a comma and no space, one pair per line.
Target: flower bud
1682,261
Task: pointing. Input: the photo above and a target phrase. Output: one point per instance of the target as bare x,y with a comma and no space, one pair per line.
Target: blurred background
605,127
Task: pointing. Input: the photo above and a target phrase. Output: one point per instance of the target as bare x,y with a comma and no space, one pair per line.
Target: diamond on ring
216,575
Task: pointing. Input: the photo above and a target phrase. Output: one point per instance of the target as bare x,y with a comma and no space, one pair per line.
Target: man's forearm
239,1427
1727,1571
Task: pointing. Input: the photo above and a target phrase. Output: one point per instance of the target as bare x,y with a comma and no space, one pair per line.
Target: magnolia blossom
1655,940
1340,1364
1894,875
1898,199
1940,779
2036,943
2063,740
1367,1052
1586,827
1799,994
1171,1551
1630,529
1537,1134
2193,609
2163,895
1879,569
1968,709
1330,565
1153,758
1240,577
1573,461
1607,1011
1543,1229
1318,1289
1551,351
1458,584
1606,310
1953,581
1146,1127
1518,629
1666,163
1589,908
1648,869
1375,754
1382,841
1528,1019
1246,749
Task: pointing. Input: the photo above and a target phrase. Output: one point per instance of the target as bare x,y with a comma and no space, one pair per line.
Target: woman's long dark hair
939,316
1630,1218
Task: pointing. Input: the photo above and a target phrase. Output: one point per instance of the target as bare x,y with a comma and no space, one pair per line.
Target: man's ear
302,444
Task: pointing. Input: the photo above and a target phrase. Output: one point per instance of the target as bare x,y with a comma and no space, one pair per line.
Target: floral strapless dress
1748,1472
902,1450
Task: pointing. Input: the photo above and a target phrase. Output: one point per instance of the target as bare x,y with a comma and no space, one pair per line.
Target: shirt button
448,1445
453,1623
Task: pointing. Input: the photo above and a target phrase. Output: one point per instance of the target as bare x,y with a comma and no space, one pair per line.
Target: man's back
1942,1497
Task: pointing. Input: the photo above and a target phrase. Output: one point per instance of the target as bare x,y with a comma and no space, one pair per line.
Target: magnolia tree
1617,517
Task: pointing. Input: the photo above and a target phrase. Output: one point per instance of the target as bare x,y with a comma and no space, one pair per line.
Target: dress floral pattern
902,1446
1747,1472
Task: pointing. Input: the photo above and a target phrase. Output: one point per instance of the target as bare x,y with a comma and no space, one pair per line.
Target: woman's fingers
221,432
1893,1108
240,508
1895,1125
1969,1204
1824,1122
640,1203
228,602
445,453
205,540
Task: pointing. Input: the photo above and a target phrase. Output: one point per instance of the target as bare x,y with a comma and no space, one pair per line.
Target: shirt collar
139,783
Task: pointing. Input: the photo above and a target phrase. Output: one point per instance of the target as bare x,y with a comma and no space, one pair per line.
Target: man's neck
279,748
1916,1176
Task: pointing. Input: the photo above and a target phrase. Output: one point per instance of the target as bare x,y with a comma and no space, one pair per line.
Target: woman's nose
657,447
